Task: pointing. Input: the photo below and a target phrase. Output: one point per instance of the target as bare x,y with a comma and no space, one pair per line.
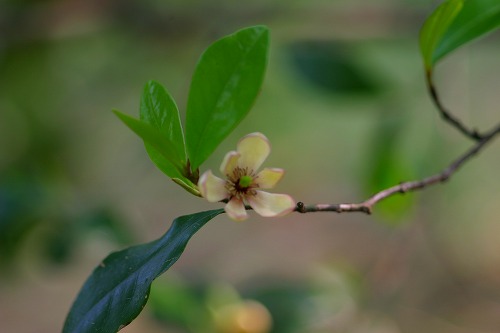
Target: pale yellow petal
229,163
254,149
212,188
235,208
269,177
271,204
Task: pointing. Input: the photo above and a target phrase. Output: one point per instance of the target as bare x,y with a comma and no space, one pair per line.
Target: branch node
366,210
301,208
402,188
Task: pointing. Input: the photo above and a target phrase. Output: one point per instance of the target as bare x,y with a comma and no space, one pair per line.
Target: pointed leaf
225,84
435,27
160,111
160,142
477,17
118,289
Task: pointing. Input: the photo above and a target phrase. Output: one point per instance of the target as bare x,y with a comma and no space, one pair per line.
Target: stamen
241,183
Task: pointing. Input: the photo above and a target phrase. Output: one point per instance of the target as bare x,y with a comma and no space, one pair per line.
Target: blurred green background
345,107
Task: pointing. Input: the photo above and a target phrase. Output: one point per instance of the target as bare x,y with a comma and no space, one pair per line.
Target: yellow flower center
245,181
241,183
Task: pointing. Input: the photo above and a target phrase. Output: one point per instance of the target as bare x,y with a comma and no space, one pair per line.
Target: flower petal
229,163
236,210
269,177
254,149
212,188
271,204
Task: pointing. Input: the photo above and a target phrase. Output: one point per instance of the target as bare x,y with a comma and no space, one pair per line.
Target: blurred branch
410,186
447,116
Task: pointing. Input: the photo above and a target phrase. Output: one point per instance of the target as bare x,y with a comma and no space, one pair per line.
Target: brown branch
410,186
447,116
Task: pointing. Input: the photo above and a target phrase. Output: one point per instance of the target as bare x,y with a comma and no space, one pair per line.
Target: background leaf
386,166
174,301
476,18
159,110
435,27
118,289
225,84
331,66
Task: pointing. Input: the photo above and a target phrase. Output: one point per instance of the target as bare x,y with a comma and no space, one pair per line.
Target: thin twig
447,116
410,186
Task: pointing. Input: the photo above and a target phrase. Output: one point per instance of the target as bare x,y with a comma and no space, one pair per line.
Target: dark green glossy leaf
225,84
118,289
159,141
435,28
476,18
160,111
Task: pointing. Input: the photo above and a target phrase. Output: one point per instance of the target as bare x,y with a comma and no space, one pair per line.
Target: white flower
243,184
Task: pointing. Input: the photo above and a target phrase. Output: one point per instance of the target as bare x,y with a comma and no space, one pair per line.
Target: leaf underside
477,18
435,27
455,23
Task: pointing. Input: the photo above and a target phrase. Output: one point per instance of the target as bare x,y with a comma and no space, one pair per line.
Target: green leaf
160,111
225,84
387,166
477,18
435,28
159,141
118,289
